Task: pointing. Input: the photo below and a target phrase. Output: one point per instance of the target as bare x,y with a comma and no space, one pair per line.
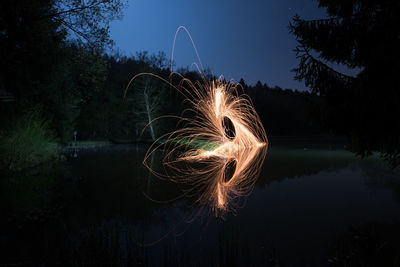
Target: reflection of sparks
220,161
219,147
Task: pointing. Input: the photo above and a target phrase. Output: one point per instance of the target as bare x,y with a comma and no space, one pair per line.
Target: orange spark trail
219,146
219,150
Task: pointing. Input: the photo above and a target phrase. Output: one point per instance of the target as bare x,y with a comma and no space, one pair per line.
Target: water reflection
92,210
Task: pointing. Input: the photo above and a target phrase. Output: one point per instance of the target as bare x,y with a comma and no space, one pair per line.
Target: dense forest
107,115
60,79
79,185
59,76
94,105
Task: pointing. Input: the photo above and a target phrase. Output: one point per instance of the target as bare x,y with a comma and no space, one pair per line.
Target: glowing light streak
219,168
219,145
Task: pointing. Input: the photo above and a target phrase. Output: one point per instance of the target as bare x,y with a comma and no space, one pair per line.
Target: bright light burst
219,146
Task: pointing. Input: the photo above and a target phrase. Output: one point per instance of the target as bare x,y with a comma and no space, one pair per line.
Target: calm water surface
103,207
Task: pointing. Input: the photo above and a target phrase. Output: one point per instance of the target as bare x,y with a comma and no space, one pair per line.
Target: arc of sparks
219,146
219,150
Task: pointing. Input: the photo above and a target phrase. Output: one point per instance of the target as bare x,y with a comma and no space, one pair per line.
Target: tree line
55,63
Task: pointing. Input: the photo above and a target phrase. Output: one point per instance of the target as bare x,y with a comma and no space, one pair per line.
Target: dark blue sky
235,38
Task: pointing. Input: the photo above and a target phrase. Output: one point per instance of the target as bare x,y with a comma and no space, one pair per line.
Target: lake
307,208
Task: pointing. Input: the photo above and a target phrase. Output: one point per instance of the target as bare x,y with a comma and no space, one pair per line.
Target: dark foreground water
313,205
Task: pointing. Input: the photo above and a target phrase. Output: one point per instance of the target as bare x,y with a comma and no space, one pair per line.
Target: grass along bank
27,142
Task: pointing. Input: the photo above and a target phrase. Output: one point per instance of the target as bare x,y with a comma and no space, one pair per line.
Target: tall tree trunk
148,110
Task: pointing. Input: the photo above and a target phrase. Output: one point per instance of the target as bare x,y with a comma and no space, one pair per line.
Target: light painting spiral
219,146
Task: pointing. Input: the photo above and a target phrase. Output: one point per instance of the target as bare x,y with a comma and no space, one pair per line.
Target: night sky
236,39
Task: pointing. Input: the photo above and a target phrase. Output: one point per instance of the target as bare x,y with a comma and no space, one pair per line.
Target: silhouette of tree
358,34
243,84
149,93
87,20
259,85
51,56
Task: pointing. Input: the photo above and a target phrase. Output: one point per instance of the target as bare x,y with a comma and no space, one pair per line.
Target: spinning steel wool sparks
219,146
